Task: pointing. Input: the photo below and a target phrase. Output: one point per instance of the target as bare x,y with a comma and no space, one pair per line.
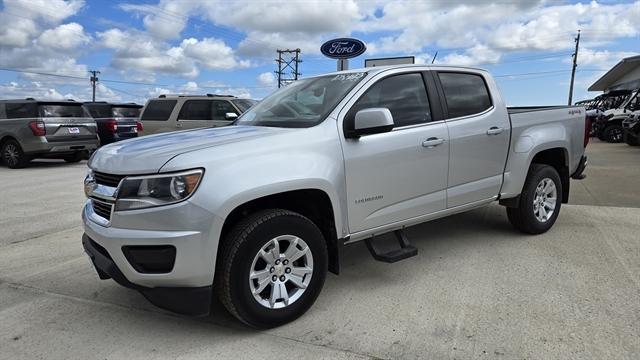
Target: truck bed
523,109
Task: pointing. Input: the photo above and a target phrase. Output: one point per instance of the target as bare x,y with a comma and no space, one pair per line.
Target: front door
400,174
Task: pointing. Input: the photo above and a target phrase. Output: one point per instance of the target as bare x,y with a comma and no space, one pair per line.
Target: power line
44,74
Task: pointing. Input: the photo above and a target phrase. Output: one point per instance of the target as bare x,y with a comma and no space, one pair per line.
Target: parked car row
608,113
71,130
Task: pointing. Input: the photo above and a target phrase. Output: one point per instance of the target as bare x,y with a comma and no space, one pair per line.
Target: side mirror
230,116
371,121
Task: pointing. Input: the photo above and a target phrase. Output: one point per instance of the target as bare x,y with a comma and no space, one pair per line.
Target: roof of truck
377,69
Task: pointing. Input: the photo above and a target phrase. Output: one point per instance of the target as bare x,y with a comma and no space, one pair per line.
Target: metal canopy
625,66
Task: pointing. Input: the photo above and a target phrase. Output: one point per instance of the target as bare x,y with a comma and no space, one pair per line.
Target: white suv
180,112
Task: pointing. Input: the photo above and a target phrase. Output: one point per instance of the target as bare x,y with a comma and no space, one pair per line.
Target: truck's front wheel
540,201
272,266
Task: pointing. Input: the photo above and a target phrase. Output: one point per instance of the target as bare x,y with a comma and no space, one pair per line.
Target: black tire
75,157
235,260
613,133
630,140
523,217
13,156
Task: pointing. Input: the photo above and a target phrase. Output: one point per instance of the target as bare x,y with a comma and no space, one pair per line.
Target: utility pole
573,69
94,80
288,60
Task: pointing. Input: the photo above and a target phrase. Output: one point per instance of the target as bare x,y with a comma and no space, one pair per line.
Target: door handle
494,130
178,125
432,142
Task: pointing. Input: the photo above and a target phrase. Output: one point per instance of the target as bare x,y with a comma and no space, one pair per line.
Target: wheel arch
313,203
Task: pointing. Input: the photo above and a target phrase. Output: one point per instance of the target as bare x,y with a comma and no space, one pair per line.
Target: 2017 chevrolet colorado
257,212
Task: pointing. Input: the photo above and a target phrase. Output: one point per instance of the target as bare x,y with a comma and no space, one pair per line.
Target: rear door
66,121
479,132
156,114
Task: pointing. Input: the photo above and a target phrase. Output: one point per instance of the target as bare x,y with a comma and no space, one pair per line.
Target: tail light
112,126
587,130
37,128
139,126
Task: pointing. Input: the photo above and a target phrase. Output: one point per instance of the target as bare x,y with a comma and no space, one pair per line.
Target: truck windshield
301,104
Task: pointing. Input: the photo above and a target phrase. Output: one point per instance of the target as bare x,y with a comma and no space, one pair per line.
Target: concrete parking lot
477,288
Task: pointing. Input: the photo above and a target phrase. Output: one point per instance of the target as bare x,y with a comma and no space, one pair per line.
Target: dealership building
625,75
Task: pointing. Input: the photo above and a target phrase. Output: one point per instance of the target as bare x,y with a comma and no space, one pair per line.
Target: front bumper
194,301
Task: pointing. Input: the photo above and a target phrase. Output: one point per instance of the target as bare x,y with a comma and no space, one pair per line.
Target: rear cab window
61,110
158,110
99,111
125,111
465,93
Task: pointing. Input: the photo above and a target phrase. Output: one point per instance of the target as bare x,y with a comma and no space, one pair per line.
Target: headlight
139,192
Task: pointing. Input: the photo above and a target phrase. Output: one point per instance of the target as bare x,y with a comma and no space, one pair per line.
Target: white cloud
602,59
477,55
14,90
267,79
22,20
212,53
166,20
65,37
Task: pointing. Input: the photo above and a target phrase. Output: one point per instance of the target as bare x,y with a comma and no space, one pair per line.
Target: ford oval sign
343,48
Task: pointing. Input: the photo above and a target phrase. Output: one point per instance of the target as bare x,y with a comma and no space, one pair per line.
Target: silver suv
180,112
44,129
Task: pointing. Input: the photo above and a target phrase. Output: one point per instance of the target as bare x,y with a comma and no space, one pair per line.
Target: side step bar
405,251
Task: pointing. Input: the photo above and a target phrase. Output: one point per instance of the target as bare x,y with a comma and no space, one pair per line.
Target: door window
404,95
196,110
21,110
158,110
465,94
221,108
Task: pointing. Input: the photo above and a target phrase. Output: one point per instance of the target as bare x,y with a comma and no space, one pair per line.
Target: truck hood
146,155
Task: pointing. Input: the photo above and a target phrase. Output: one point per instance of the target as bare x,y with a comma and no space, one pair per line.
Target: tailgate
127,126
66,129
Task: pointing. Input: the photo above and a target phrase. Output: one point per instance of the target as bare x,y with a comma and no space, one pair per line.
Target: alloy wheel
544,202
281,271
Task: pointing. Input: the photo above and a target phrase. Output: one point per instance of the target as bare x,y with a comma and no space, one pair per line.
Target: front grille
102,208
107,179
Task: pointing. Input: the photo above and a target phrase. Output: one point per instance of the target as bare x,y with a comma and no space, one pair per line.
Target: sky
144,48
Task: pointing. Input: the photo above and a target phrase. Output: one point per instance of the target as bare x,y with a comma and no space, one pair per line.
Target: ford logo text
343,48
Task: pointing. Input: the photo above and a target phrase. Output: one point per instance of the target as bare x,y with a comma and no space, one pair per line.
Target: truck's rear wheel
13,156
540,201
272,266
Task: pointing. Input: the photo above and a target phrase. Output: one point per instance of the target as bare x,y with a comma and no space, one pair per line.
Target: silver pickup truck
257,212
59,129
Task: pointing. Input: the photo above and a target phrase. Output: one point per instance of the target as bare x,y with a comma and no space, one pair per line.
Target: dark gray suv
44,129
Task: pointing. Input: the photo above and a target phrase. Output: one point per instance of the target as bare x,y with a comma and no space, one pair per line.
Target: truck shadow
440,240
